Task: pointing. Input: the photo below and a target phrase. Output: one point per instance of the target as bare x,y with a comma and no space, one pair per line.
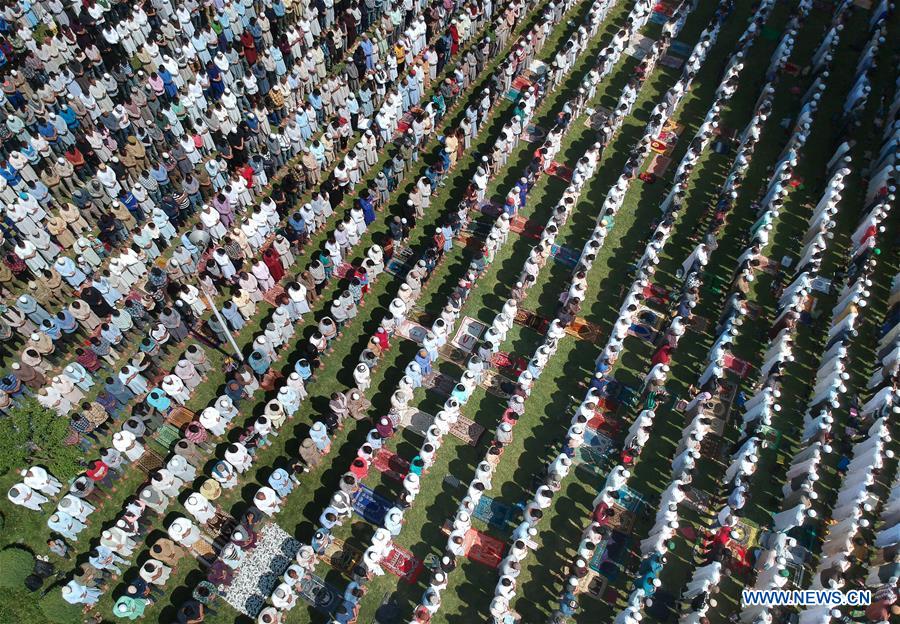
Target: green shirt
129,608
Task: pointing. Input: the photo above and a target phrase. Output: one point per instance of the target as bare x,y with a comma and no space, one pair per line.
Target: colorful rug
390,464
585,330
412,331
525,227
532,321
341,556
453,355
498,385
343,269
496,513
271,296
680,48
401,262
700,500
467,430
737,365
469,333
400,562
509,363
564,255
659,165
593,456
533,134
319,594
639,46
560,171
484,549
370,505
609,553
632,500
261,570
672,62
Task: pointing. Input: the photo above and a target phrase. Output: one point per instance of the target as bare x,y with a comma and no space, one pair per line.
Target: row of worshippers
261,272
759,409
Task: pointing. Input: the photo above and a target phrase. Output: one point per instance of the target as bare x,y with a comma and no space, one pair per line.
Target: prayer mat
271,295
526,227
490,208
341,556
370,505
417,421
401,262
533,134
631,500
519,84
594,586
700,500
484,549
737,365
639,46
477,229
180,416
666,7
595,119
659,165
390,464
440,384
469,333
412,331
680,48
497,514
672,62
532,321
745,533
659,18
322,596
585,330
509,363
343,269
150,461
699,324
772,267
609,550
270,380
467,430
564,255
594,455
560,171
646,326
688,533
497,384
261,570
656,294
453,355
400,562
166,436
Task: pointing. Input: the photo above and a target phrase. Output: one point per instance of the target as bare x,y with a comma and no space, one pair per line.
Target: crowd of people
160,184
